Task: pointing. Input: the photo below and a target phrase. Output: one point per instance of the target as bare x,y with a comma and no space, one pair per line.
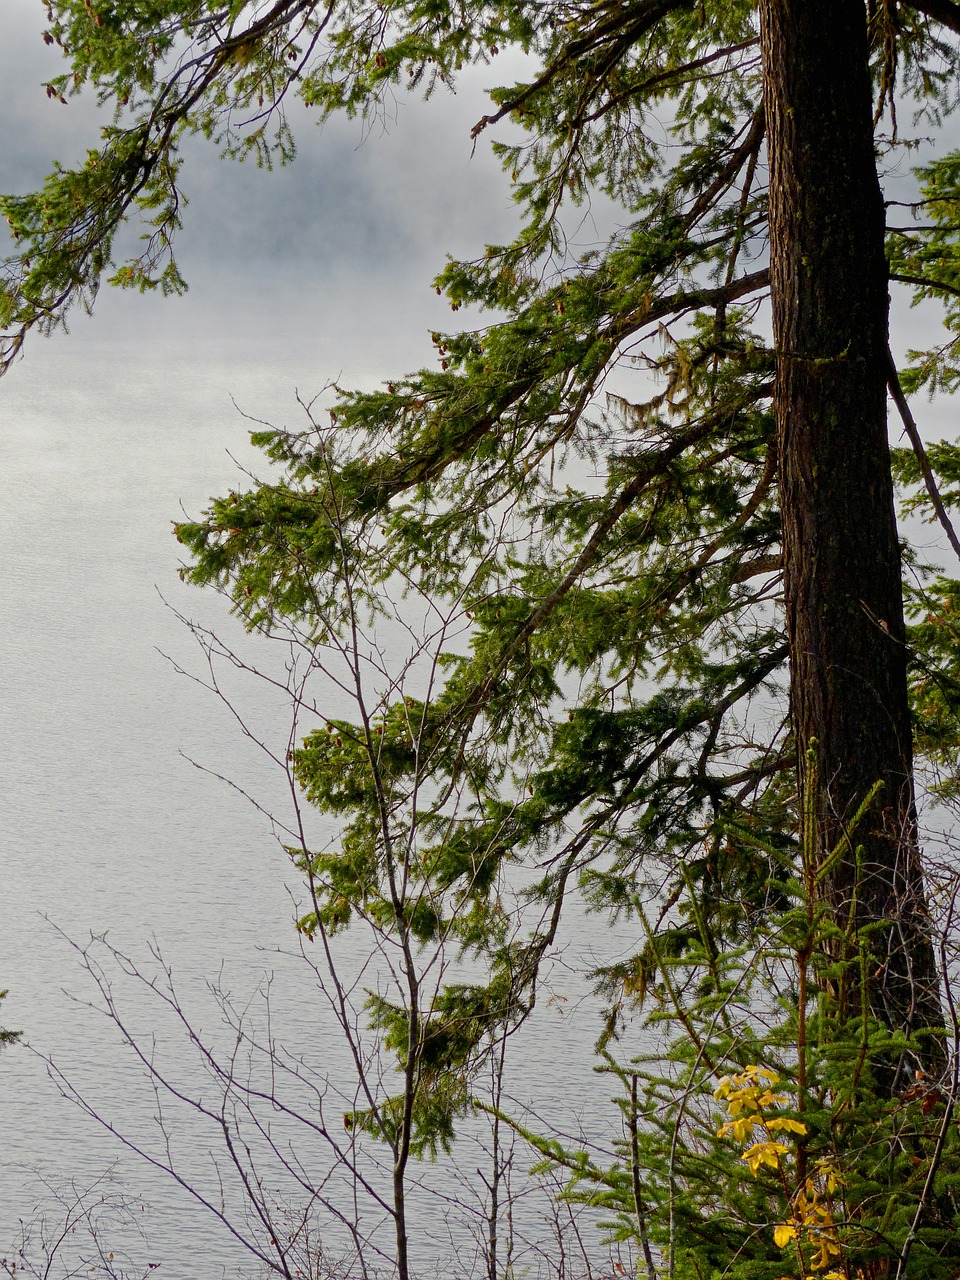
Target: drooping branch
616,35
648,466
425,467
929,480
946,12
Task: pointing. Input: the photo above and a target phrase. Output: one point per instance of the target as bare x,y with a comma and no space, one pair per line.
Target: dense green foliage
580,498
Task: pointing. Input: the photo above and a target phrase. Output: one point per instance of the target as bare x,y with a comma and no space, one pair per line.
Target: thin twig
910,426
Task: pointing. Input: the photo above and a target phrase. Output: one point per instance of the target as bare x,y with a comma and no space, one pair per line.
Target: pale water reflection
108,829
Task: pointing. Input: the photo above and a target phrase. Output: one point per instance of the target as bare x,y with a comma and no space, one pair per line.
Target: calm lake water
109,829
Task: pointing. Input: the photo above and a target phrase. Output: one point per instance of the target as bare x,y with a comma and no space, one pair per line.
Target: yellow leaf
763,1072
782,1122
783,1234
741,1128
770,1099
761,1153
830,1174
829,1250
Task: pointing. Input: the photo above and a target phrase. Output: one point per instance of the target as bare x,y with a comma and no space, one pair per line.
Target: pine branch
943,11
649,466
923,283
627,27
424,468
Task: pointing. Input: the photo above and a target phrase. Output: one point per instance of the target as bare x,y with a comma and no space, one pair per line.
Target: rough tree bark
842,566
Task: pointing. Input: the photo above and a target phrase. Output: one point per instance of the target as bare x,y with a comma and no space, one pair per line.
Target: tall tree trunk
841,552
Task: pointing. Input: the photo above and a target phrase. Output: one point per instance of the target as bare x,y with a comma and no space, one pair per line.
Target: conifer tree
841,556
653,662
